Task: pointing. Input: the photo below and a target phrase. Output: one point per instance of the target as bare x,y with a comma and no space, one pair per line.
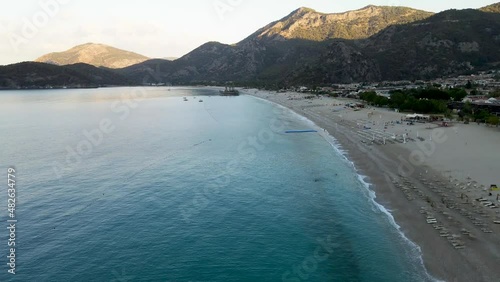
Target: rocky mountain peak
95,54
307,24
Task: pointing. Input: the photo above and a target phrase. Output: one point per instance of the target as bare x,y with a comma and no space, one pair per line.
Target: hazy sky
157,28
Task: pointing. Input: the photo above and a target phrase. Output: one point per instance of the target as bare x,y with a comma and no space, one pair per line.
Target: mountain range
40,75
306,47
98,55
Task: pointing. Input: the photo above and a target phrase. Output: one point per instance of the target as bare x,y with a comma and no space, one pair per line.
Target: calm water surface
155,188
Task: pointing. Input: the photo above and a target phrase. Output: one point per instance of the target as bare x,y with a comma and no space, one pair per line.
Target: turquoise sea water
135,184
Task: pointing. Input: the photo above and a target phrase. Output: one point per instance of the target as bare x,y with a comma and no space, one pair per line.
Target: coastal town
482,89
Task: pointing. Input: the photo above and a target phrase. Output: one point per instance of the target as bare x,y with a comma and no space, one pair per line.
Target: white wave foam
361,178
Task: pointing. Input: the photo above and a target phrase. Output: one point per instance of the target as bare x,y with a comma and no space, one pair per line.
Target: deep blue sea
136,184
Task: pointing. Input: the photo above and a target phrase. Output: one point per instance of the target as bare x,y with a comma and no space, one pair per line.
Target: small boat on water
200,101
185,99
301,131
229,91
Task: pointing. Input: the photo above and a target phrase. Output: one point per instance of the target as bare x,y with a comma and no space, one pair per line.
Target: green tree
457,94
424,106
448,114
409,104
475,92
467,108
381,101
398,98
369,96
495,94
493,120
481,115
432,93
439,106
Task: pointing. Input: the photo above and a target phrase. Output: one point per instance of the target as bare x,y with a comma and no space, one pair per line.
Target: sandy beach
433,179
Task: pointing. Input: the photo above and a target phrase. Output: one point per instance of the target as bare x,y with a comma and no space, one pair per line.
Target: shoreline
420,198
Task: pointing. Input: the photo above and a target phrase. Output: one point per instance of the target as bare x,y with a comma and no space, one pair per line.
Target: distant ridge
375,43
493,8
306,23
98,55
42,75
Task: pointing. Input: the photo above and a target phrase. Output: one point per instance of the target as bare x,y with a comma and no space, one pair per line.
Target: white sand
450,169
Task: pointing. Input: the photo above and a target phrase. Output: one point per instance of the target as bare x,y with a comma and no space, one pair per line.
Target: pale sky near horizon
158,28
